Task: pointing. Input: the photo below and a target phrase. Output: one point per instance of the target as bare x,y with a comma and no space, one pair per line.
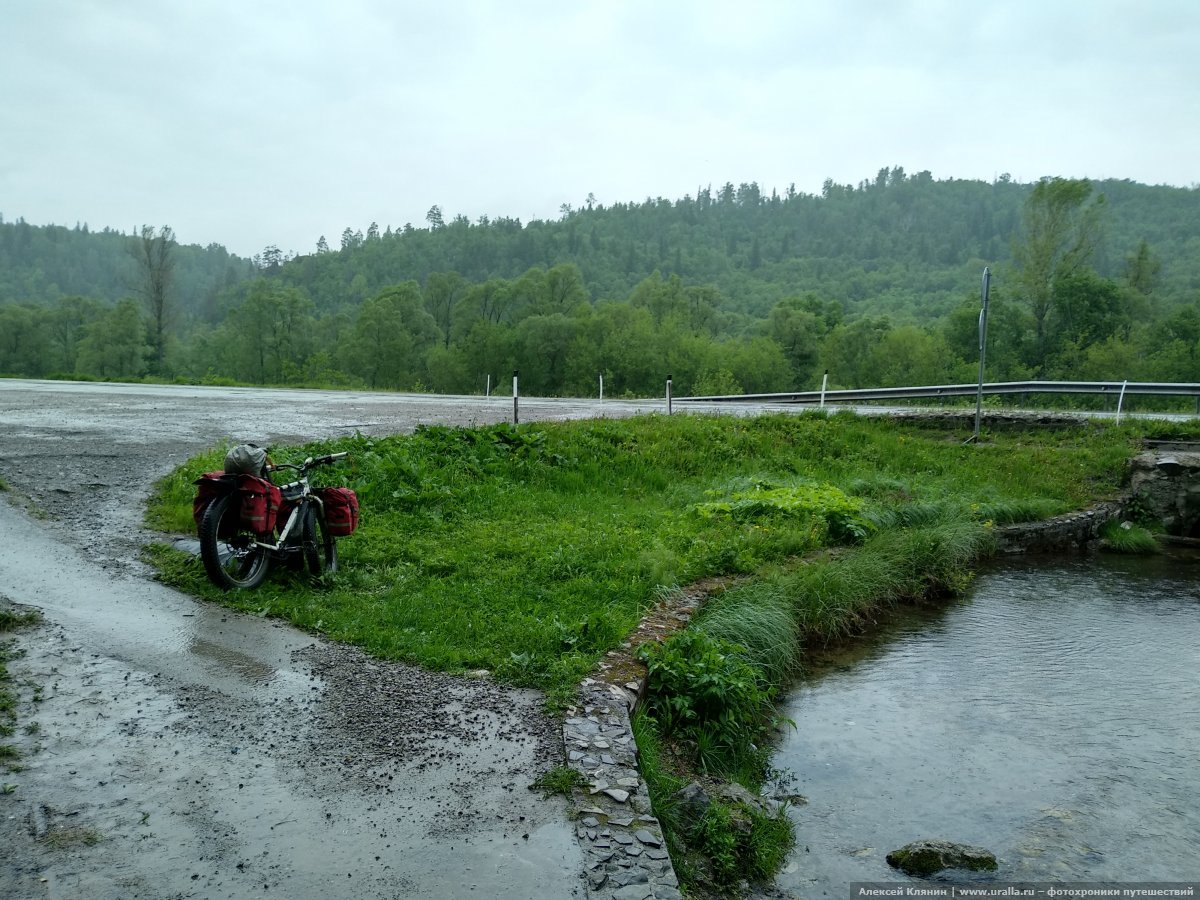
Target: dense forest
729,290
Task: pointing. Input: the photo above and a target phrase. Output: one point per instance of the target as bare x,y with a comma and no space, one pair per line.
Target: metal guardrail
1116,388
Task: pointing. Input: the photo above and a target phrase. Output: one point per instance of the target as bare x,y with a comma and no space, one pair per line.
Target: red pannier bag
341,510
260,503
209,487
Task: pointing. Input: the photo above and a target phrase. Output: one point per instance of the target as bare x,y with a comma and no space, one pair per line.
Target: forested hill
728,290
896,244
41,264
899,245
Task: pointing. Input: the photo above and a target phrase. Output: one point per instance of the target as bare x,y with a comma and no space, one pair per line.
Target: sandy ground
182,750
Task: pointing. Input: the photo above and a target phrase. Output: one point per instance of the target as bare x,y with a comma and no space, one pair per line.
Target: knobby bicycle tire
232,559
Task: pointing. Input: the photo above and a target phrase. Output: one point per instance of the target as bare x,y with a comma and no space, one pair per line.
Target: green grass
1127,537
764,627
838,594
662,785
560,780
531,550
12,619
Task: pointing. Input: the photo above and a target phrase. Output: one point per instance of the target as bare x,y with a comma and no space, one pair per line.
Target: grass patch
763,630
730,840
839,594
741,843
12,619
709,688
1127,537
532,550
702,693
662,783
559,780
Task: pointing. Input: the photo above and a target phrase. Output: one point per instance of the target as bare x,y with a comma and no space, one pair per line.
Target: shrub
740,842
702,691
842,514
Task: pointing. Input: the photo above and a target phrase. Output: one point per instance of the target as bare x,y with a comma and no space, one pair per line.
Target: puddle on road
251,669
222,755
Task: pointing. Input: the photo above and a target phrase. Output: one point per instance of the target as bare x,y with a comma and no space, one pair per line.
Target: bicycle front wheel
320,548
232,558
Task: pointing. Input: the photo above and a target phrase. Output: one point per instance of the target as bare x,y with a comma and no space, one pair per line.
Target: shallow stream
1052,716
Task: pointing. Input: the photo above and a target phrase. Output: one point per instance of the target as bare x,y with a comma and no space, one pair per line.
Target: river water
1052,716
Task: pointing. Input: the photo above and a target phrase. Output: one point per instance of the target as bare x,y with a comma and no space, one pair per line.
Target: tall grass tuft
1127,537
835,596
909,515
1010,512
764,627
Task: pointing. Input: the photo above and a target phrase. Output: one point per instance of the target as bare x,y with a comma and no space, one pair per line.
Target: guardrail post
516,418
669,379
983,323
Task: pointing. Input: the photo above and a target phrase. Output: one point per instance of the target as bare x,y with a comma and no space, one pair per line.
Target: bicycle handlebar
312,463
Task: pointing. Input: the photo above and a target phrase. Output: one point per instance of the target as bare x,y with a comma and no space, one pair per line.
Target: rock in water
922,858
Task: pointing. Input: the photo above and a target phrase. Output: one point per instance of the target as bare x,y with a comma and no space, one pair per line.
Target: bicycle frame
292,521
298,501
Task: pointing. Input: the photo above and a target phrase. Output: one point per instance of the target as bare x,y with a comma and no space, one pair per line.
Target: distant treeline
729,291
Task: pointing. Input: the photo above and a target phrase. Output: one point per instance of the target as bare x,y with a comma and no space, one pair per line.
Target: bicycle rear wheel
320,548
232,558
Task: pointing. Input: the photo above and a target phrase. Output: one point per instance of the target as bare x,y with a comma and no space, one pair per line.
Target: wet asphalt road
183,750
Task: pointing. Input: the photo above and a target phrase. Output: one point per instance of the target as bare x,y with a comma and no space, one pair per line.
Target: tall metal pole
983,320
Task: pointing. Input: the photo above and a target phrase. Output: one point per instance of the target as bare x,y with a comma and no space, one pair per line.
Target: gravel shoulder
183,750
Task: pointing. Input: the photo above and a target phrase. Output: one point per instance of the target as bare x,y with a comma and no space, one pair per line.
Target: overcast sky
255,123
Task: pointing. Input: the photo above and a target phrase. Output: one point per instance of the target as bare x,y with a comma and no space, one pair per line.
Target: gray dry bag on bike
247,459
